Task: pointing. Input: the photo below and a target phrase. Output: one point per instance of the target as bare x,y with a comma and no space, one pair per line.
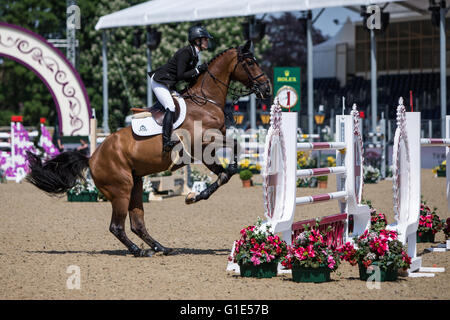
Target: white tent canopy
163,11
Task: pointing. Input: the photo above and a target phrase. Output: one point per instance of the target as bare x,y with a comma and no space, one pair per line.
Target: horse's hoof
190,198
167,251
164,250
144,253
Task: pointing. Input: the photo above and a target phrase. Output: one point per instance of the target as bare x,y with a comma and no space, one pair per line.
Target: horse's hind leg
117,226
137,223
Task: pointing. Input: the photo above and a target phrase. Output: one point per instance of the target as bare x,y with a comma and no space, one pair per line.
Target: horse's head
248,71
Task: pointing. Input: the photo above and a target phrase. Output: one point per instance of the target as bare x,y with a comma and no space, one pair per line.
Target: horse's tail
57,175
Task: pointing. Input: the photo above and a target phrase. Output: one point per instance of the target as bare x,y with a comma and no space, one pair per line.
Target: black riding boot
167,131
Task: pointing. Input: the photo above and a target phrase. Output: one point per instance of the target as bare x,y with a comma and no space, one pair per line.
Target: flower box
263,270
247,183
258,251
323,184
429,223
391,274
316,275
427,236
377,250
145,196
441,173
83,196
310,257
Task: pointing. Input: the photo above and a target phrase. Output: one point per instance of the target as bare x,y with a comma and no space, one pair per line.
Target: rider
182,66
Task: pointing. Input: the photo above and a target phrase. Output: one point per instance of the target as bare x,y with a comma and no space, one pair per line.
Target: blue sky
325,22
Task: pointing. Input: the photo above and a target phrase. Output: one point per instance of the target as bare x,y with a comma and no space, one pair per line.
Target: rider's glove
201,68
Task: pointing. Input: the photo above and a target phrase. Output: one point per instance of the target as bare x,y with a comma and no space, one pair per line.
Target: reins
235,93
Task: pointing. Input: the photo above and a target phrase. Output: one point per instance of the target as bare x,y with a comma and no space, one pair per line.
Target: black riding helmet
196,32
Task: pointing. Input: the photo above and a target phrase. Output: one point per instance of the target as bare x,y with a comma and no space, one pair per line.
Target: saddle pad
148,127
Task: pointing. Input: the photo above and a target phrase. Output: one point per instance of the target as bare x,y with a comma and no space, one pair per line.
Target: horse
119,163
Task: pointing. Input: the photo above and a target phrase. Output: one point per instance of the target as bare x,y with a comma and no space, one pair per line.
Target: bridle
235,93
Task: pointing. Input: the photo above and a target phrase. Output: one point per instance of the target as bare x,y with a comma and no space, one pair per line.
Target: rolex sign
286,84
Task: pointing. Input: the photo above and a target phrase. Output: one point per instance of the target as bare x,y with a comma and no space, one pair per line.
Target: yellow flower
224,162
331,162
244,163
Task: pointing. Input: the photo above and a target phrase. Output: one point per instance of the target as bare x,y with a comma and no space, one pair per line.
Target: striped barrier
334,236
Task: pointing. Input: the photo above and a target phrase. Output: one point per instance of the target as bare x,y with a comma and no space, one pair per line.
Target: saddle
157,112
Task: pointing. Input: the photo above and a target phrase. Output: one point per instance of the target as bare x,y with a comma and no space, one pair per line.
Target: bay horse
119,163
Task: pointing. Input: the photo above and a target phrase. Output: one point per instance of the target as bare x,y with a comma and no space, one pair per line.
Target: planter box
316,275
425,237
84,196
441,173
247,183
322,184
388,275
264,270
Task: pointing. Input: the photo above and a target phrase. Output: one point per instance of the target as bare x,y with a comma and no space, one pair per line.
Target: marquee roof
163,11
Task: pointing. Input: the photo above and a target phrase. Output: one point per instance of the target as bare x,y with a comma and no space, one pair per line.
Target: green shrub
245,174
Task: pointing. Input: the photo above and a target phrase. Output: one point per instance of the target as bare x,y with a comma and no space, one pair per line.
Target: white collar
196,50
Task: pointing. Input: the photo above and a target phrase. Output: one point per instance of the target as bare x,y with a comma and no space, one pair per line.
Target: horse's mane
208,63
220,54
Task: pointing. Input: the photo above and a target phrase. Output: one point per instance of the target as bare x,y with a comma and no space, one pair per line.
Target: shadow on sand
176,251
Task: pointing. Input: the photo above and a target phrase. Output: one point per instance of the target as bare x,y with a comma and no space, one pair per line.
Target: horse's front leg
223,176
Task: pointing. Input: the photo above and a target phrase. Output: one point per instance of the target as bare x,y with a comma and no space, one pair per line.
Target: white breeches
163,95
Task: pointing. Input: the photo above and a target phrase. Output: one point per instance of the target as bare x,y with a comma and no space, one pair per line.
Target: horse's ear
247,46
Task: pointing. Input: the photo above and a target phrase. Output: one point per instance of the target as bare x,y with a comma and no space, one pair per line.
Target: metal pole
332,122
443,68
310,72
373,80
252,96
253,111
389,130
71,37
105,84
430,128
383,146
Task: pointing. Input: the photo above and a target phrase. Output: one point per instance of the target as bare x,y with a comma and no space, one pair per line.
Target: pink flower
301,253
255,261
379,245
331,262
311,252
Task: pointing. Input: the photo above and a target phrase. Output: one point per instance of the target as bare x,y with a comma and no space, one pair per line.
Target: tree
287,36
